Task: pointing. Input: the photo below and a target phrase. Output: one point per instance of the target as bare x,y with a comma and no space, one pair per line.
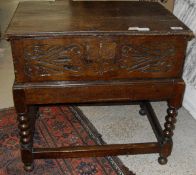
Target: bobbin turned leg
173,105
25,140
167,134
25,125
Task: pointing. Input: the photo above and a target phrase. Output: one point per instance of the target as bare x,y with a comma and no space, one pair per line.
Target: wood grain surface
66,17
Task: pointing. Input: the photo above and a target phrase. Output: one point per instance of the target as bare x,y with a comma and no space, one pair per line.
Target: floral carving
148,57
99,58
44,59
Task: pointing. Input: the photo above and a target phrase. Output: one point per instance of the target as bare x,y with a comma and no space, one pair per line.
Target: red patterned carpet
57,126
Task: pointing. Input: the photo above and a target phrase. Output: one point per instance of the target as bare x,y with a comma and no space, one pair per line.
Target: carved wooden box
65,43
99,58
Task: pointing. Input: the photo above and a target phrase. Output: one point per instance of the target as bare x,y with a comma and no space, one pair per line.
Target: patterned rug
57,126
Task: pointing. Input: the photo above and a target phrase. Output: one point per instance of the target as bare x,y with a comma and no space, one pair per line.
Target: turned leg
169,126
173,105
26,140
170,123
25,126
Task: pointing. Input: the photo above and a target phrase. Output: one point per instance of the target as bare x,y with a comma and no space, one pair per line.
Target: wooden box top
93,18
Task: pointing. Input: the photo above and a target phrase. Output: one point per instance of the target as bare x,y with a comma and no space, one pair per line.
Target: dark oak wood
83,92
96,151
93,52
26,128
92,18
99,58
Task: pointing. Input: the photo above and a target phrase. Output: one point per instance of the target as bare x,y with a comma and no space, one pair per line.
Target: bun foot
28,167
162,160
142,112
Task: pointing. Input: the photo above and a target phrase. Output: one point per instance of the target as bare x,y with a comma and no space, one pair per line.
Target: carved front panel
48,60
100,58
73,58
148,57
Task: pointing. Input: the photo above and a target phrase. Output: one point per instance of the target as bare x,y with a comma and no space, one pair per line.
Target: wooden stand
27,98
85,52
163,145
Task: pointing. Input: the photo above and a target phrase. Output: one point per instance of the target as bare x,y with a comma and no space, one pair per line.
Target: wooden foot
142,112
28,167
162,160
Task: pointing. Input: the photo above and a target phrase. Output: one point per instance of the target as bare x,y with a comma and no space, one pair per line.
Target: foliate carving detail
45,60
97,58
149,57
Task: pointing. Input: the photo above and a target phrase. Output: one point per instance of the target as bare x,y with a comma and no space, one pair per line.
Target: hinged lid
93,18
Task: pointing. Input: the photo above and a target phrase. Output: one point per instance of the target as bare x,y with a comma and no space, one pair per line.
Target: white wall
190,100
186,11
